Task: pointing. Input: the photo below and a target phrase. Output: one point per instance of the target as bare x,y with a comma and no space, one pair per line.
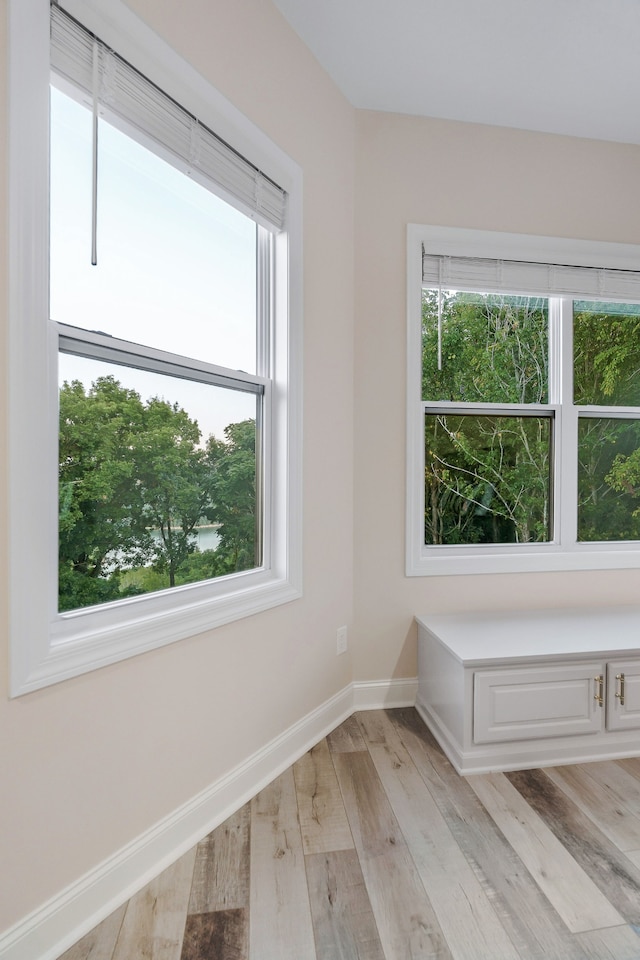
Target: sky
175,270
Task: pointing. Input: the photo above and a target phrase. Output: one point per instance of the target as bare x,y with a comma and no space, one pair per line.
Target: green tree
624,478
135,481
494,348
232,489
171,473
132,487
100,517
606,352
487,478
606,366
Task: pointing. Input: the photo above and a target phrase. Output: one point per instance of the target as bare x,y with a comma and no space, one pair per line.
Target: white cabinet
535,702
513,691
623,694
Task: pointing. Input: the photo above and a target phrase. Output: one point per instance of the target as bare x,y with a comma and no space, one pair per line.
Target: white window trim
47,647
423,560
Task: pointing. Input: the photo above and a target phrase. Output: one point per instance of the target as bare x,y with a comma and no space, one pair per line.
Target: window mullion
566,452
488,409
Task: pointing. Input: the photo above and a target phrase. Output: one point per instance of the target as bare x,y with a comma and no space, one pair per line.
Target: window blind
87,63
541,279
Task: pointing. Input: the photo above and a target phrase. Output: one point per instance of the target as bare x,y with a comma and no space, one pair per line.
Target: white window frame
47,647
559,554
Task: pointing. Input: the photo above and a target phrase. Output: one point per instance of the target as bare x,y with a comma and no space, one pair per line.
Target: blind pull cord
94,184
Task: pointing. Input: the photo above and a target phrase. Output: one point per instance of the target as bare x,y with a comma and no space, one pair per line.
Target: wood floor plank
100,942
429,873
220,935
631,765
323,819
374,828
407,924
221,871
622,786
154,922
347,737
468,920
280,926
343,921
634,856
565,884
613,943
599,802
611,870
531,922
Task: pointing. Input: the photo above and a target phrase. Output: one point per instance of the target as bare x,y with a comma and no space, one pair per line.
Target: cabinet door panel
623,715
533,702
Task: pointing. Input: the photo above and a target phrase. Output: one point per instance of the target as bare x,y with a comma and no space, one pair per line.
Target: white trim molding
384,694
63,920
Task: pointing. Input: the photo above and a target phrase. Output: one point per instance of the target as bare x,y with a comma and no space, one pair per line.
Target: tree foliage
232,490
488,478
135,484
607,372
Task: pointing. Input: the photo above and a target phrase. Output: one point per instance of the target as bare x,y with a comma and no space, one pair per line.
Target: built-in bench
517,690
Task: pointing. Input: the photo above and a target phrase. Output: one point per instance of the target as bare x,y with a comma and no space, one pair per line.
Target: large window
524,405
154,316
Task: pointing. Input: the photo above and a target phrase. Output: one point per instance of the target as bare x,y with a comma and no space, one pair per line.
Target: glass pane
608,479
485,348
157,482
487,479
606,353
176,265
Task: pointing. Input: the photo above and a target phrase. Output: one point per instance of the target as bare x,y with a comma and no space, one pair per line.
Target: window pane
176,265
608,479
606,353
487,479
492,348
157,482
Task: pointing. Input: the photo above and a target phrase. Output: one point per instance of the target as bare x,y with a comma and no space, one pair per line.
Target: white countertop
483,637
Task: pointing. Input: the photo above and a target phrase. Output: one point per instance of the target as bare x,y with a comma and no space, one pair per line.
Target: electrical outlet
341,640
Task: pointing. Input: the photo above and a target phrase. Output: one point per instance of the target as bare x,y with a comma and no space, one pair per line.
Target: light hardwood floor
371,847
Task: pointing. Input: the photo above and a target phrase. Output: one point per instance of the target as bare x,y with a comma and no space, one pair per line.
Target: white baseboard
384,694
59,923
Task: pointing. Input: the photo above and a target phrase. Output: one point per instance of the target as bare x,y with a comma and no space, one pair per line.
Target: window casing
513,267
47,646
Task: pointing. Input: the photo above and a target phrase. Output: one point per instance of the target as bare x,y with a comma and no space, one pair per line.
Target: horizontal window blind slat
136,100
542,279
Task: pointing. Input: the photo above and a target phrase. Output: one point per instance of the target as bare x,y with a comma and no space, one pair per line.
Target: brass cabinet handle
599,694
620,693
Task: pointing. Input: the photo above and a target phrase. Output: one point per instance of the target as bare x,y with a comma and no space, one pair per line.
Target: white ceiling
559,66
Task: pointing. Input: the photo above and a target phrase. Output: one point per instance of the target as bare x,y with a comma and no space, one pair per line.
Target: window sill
452,561
80,641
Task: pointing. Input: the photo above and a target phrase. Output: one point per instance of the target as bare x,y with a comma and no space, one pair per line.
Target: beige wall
89,764
413,170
